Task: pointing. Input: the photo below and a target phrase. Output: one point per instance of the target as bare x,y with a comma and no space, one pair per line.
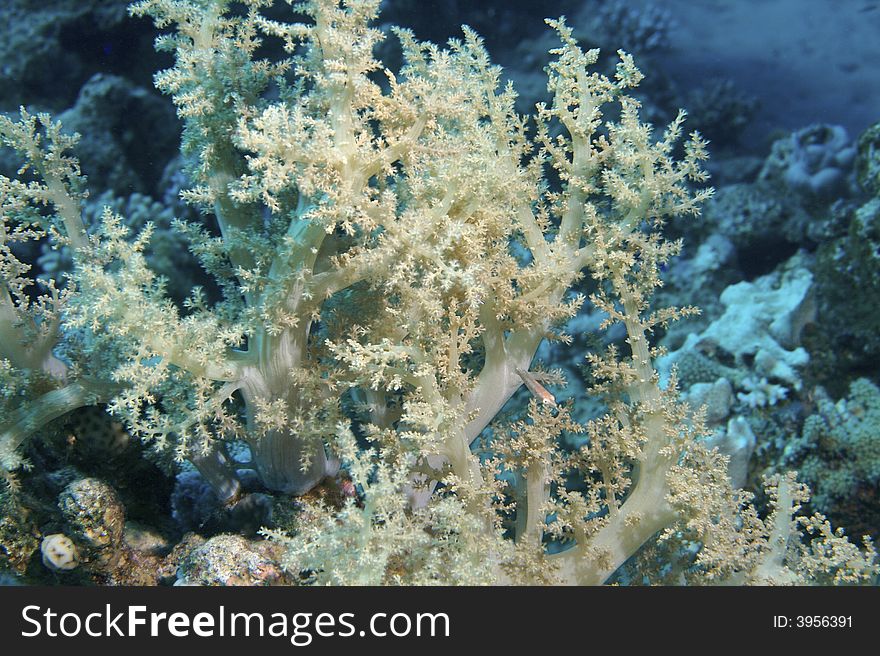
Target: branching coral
391,253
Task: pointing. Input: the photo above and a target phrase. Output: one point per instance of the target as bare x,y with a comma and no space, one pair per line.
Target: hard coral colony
388,251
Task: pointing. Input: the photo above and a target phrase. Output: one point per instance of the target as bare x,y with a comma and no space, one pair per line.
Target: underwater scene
443,292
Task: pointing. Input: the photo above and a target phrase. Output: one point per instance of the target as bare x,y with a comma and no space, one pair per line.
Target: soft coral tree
391,254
